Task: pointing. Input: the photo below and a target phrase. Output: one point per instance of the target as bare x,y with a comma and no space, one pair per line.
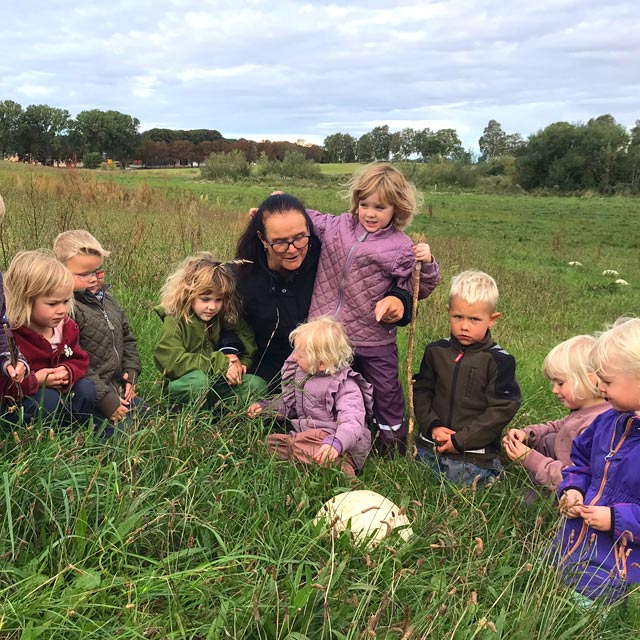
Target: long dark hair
249,245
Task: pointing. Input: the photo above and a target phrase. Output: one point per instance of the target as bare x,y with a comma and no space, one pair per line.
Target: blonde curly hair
323,341
201,275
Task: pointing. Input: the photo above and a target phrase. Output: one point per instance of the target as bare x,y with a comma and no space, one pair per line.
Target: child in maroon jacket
39,293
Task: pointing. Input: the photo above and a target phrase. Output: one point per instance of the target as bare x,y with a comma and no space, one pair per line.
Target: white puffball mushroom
370,514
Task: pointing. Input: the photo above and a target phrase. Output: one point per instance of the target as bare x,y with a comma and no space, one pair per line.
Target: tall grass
188,529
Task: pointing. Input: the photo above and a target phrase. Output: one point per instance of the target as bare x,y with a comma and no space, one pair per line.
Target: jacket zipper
454,382
603,482
345,269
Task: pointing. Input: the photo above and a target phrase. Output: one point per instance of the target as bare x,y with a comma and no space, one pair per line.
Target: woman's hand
389,310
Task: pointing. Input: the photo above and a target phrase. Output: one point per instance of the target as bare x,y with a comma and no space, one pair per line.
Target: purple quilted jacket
356,270
338,404
606,471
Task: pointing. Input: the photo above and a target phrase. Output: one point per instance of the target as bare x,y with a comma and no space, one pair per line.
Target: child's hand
254,210
254,409
422,252
519,435
389,310
235,372
55,378
119,414
598,518
516,450
442,437
571,503
17,374
129,389
326,453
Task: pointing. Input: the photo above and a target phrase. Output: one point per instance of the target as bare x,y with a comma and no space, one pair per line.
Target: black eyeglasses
282,246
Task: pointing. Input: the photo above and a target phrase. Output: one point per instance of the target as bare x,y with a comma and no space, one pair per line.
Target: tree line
600,155
49,135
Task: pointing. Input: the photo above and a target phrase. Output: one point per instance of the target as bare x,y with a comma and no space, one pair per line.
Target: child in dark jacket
466,391
39,297
325,401
598,546
114,364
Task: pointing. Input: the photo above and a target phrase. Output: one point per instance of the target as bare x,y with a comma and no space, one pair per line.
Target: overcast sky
280,69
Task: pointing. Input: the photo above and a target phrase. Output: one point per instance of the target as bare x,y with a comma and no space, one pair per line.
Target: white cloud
289,70
33,90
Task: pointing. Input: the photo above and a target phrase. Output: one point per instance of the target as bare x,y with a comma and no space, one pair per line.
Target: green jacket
105,336
470,389
191,346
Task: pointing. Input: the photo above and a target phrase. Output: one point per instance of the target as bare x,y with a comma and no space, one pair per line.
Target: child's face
49,311
207,306
300,356
621,389
88,272
563,389
469,322
374,214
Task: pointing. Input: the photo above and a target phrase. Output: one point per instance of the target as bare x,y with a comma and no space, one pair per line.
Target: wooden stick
11,345
412,330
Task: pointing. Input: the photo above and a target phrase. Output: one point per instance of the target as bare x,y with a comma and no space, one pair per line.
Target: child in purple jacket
598,546
544,449
364,252
325,401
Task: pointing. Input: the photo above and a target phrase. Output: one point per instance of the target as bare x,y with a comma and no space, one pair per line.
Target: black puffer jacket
470,389
105,336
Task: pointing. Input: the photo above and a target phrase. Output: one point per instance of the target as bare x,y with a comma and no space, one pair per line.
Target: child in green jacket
201,311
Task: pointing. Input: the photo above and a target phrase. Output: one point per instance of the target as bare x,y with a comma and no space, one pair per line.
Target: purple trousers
379,367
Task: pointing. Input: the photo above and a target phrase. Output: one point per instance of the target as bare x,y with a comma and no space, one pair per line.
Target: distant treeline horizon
600,155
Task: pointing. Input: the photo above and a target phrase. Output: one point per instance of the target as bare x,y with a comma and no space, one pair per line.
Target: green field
187,529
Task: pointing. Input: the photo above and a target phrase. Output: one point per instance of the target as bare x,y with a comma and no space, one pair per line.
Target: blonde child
599,543
205,345
325,401
466,391
364,252
12,363
544,449
39,297
104,329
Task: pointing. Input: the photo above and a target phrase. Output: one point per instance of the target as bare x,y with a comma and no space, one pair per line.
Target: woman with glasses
277,285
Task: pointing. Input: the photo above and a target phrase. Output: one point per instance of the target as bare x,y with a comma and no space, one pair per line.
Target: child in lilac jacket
598,546
364,252
544,449
325,401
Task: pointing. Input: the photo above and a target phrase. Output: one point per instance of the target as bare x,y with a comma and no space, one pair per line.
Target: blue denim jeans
459,471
